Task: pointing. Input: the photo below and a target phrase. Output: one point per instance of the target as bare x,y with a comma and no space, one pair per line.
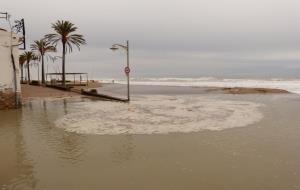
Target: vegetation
28,56
42,47
65,33
22,61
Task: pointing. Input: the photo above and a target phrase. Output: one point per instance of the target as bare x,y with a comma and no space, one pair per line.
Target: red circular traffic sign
127,70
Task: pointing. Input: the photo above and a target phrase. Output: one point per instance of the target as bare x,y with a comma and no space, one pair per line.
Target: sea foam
160,115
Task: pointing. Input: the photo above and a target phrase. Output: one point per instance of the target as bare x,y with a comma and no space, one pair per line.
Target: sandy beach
119,90
243,90
30,91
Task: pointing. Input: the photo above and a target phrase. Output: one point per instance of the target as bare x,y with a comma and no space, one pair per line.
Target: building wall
7,84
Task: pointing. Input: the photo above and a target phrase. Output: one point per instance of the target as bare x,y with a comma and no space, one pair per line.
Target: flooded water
36,153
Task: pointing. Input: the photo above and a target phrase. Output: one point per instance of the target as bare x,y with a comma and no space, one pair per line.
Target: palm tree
21,63
65,34
42,47
28,56
36,62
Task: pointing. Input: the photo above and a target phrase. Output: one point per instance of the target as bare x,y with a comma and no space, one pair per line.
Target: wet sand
30,91
120,90
240,90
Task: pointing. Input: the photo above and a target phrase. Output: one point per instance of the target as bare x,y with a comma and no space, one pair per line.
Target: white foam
160,115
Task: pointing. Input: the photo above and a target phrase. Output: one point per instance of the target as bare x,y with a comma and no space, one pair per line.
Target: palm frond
65,33
28,56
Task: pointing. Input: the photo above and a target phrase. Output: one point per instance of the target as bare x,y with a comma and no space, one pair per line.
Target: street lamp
127,68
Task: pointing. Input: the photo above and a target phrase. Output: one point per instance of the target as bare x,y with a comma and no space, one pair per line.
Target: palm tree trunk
28,73
43,70
21,67
63,65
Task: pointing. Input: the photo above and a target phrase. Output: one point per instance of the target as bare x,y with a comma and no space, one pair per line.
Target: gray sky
175,37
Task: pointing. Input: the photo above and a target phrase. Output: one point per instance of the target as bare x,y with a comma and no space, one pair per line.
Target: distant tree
28,56
22,61
65,34
42,47
36,62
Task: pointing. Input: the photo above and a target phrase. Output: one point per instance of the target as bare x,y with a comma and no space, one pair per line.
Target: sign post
127,68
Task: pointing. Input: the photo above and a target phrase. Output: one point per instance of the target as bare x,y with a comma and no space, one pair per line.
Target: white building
10,88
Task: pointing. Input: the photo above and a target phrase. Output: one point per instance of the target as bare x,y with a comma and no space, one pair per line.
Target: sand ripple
160,115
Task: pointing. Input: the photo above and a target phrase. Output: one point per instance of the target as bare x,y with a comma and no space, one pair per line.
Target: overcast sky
174,37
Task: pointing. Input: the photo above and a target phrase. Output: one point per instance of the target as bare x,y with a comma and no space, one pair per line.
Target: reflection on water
65,106
28,135
67,146
37,155
16,170
71,147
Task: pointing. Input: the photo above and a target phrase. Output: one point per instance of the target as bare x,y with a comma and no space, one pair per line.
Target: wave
291,85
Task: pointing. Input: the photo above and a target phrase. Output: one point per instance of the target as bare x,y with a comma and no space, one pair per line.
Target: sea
289,84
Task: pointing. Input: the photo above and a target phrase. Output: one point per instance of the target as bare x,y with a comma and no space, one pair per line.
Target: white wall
6,67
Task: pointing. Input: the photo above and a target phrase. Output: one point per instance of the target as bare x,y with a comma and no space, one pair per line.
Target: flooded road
36,154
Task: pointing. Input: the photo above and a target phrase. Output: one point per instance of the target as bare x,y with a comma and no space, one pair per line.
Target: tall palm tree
42,47
28,56
21,63
65,34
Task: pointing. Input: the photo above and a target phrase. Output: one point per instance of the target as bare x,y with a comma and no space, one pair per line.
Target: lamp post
127,68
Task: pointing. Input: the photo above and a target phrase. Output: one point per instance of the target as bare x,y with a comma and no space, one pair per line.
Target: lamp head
113,48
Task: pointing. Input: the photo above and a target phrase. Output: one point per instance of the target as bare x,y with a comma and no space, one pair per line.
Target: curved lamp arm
116,47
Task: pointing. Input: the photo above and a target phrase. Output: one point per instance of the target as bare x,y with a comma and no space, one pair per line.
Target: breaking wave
160,115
